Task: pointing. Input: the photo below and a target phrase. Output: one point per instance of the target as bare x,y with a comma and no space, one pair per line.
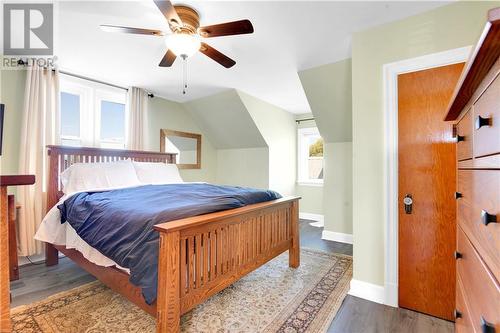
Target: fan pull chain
184,74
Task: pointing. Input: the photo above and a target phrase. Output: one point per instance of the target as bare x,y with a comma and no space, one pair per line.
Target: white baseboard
313,217
368,291
391,294
336,236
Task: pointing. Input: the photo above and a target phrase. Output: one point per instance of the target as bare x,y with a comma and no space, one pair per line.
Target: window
70,119
91,114
310,156
112,124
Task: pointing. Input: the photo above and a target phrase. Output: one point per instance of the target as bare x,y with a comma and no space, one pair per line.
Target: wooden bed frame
199,256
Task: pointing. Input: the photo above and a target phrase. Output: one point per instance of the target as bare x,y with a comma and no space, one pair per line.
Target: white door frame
390,74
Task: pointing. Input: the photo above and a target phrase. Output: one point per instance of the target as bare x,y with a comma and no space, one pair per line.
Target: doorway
426,183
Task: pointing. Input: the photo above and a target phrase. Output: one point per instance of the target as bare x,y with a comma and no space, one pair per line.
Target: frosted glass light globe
183,44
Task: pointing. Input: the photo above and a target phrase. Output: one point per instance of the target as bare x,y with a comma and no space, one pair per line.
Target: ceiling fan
185,39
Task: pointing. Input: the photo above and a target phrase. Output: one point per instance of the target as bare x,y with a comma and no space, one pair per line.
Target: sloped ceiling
329,92
225,120
289,36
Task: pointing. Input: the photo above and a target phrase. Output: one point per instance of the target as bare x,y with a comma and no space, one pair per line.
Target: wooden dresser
475,108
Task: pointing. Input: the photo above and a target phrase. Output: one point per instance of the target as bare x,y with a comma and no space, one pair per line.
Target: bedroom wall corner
329,91
311,204
166,114
278,129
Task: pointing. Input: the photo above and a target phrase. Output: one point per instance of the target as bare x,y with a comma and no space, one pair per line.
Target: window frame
113,97
302,156
91,95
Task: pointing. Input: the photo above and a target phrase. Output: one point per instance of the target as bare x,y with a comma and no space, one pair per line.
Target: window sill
313,184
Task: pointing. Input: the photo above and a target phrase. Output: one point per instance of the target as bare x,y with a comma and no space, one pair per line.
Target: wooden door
427,173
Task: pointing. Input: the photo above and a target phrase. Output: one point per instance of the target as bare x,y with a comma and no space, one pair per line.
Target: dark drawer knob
480,122
487,218
487,327
460,138
458,195
457,314
458,255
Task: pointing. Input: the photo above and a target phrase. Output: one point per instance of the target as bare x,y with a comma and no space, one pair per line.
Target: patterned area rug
274,298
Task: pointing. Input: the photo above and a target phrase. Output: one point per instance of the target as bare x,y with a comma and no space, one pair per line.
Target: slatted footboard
202,255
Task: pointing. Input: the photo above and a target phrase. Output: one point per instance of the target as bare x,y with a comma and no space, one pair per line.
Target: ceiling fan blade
168,59
217,56
168,10
227,29
129,30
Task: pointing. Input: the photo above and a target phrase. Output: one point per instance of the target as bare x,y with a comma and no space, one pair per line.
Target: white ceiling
289,37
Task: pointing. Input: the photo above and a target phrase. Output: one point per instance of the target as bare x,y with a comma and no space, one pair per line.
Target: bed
198,256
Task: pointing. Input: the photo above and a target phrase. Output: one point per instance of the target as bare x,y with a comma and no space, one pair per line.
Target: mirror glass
185,148
184,145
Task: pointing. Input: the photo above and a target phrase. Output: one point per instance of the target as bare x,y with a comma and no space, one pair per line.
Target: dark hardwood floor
355,315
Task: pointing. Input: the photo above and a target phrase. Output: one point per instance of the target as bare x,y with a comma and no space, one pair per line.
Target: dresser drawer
463,320
487,121
480,191
464,137
481,291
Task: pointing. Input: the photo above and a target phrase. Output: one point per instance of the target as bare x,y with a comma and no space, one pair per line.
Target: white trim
390,73
369,291
311,216
336,236
310,183
303,157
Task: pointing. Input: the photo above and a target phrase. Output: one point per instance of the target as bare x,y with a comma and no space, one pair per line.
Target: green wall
312,196
243,167
328,90
166,114
452,26
278,129
12,95
226,121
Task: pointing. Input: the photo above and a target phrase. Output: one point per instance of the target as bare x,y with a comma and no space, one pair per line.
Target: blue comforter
119,223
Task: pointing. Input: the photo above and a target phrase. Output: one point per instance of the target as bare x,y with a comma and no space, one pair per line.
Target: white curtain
38,129
137,103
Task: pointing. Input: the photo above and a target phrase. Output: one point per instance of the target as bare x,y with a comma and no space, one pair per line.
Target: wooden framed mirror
186,146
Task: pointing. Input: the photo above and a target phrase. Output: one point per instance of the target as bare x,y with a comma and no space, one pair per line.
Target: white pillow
157,173
99,176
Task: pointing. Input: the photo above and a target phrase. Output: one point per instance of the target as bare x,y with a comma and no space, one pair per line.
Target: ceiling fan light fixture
183,44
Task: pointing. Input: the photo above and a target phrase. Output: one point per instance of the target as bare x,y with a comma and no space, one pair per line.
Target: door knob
408,203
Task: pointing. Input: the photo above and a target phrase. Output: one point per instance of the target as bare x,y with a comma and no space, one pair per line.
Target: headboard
62,157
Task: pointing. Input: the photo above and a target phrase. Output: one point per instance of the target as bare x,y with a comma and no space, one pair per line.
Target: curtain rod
93,80
21,62
305,119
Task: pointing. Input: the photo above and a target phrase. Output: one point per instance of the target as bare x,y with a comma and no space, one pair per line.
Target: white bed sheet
52,231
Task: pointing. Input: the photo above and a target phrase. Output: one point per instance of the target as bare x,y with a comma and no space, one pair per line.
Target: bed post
51,253
294,251
168,301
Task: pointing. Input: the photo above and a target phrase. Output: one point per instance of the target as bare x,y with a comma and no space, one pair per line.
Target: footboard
200,256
